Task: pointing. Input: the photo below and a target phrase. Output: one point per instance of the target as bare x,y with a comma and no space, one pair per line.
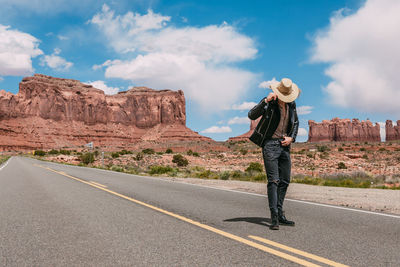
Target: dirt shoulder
380,200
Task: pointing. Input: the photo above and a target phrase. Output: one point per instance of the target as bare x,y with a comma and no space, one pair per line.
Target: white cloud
62,37
266,84
195,59
302,132
56,62
239,120
217,129
16,52
362,50
102,86
244,106
304,110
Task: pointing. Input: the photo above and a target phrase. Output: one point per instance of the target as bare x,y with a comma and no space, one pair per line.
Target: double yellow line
220,232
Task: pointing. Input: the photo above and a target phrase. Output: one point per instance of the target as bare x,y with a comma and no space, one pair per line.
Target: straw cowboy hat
286,90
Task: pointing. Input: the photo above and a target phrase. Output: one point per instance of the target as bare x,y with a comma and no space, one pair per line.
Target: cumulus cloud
362,52
16,52
217,129
244,106
302,132
54,61
102,86
198,60
304,110
239,120
266,84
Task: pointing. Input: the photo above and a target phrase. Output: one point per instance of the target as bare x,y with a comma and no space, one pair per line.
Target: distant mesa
392,132
337,130
51,112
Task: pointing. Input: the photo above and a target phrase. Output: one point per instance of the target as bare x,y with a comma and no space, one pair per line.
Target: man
276,130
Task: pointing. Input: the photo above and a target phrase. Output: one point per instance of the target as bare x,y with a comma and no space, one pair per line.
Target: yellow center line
204,226
99,184
298,252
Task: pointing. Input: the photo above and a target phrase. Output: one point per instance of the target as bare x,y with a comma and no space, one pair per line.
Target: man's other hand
288,140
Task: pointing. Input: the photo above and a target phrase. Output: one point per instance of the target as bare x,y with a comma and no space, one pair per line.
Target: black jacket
271,116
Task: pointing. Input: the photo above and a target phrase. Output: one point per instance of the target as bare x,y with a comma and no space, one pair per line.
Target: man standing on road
276,130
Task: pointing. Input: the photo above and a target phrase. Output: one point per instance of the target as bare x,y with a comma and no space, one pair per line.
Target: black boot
282,219
274,221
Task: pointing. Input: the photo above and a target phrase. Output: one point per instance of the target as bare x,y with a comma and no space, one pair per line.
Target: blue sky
217,52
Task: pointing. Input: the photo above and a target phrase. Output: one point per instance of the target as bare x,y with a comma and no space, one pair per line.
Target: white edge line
242,192
5,164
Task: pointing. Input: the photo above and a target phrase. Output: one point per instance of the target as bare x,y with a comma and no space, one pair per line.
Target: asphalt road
59,215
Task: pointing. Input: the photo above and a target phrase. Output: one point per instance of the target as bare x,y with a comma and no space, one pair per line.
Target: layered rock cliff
53,113
392,132
343,130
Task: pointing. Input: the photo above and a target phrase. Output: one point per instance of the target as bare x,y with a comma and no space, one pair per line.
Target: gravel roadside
380,200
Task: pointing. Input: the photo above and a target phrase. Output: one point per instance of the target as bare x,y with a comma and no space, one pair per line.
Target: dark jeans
278,167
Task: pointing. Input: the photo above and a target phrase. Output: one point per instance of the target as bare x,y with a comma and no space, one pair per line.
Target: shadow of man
256,220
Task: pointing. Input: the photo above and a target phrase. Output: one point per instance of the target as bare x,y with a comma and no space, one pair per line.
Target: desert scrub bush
180,160
3,159
204,174
53,152
40,153
115,155
148,151
341,165
139,156
260,177
243,151
224,175
254,167
382,149
87,158
196,154
365,156
65,152
362,149
125,152
300,179
322,148
189,152
340,149
157,169
169,151
311,155
117,168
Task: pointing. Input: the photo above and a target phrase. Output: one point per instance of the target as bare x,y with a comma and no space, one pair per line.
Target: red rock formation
245,136
53,113
343,130
392,132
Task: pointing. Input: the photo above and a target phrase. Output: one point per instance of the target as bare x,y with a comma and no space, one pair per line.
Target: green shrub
160,169
196,154
148,151
324,155
362,149
365,156
204,174
341,165
322,148
53,152
255,167
115,155
189,152
243,151
225,175
382,149
139,156
87,158
237,174
260,177
340,149
169,151
40,153
117,168
65,152
180,160
124,152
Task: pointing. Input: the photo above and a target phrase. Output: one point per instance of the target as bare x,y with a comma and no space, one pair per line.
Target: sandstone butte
50,112
392,132
343,130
